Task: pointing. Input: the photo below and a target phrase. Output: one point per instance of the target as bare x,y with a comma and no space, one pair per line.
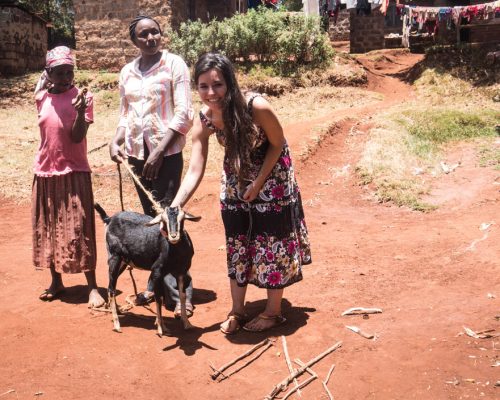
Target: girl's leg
95,299
237,314
271,316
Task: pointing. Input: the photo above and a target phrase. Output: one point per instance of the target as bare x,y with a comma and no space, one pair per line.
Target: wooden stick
291,370
309,370
217,372
355,329
156,206
296,388
325,382
246,363
313,376
361,310
284,383
329,374
330,395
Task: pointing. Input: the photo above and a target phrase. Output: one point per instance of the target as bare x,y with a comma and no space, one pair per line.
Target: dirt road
431,274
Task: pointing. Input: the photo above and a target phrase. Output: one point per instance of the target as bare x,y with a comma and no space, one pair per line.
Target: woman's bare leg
273,309
238,294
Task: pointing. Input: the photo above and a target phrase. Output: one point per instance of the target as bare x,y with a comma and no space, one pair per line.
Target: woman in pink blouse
62,200
156,113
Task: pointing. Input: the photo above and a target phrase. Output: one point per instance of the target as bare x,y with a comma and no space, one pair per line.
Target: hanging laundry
363,7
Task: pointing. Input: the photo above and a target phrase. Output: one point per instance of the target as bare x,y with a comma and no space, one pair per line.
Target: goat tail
105,217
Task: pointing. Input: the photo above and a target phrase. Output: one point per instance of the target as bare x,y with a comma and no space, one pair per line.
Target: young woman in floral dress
266,236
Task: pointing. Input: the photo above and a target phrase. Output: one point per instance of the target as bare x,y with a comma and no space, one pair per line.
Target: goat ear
154,221
191,217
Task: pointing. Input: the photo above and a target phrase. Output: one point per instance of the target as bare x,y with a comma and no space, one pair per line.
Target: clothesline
483,11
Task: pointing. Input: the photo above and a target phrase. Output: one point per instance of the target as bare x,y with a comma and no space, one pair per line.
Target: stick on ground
325,382
291,370
246,363
284,383
361,310
217,372
357,330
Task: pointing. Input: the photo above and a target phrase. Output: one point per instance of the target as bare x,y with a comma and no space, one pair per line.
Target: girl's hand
80,101
251,192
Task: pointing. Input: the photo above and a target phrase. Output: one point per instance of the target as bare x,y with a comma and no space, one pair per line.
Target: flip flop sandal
239,320
189,310
277,321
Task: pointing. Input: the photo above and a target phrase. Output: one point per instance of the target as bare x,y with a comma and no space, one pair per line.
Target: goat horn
154,221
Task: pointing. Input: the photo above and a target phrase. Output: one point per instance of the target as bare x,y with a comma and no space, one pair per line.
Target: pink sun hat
60,55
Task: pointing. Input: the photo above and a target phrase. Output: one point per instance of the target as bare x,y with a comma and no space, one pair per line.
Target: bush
288,41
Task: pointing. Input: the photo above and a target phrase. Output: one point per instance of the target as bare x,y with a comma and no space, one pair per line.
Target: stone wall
339,31
23,41
367,31
101,29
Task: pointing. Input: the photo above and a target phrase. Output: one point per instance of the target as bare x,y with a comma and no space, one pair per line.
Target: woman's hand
116,152
251,192
153,164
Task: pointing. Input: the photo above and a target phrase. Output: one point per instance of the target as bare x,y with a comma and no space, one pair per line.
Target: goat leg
182,296
114,312
160,327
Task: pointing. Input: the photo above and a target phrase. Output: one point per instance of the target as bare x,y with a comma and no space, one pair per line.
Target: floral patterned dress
266,240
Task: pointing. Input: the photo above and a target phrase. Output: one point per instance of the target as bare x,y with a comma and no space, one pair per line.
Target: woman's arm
197,164
116,152
265,117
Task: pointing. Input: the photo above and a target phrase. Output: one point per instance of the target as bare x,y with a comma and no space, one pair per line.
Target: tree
60,14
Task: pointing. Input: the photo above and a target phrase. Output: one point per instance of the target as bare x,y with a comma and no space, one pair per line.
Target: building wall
23,41
339,31
101,29
367,31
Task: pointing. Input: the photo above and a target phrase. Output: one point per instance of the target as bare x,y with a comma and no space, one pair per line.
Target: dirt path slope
431,274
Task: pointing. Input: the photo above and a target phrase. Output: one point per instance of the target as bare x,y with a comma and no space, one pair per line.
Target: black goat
133,240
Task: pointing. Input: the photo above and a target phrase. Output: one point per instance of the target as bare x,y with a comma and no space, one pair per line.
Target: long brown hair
239,129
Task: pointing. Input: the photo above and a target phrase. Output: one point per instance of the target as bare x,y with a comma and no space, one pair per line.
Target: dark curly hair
239,129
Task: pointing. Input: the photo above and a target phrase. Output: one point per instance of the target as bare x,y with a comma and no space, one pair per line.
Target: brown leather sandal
239,320
277,320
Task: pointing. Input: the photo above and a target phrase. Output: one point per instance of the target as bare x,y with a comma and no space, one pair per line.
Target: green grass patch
437,127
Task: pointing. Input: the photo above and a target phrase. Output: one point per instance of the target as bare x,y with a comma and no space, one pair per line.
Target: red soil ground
431,274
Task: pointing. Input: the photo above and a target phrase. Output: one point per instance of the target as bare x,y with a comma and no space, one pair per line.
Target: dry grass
403,154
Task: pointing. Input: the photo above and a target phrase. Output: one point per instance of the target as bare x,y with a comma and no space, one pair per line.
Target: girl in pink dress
62,200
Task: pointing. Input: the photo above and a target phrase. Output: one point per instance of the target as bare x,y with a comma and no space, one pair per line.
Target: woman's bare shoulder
259,101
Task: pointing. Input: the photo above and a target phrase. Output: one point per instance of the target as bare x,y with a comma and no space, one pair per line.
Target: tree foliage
283,40
60,14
